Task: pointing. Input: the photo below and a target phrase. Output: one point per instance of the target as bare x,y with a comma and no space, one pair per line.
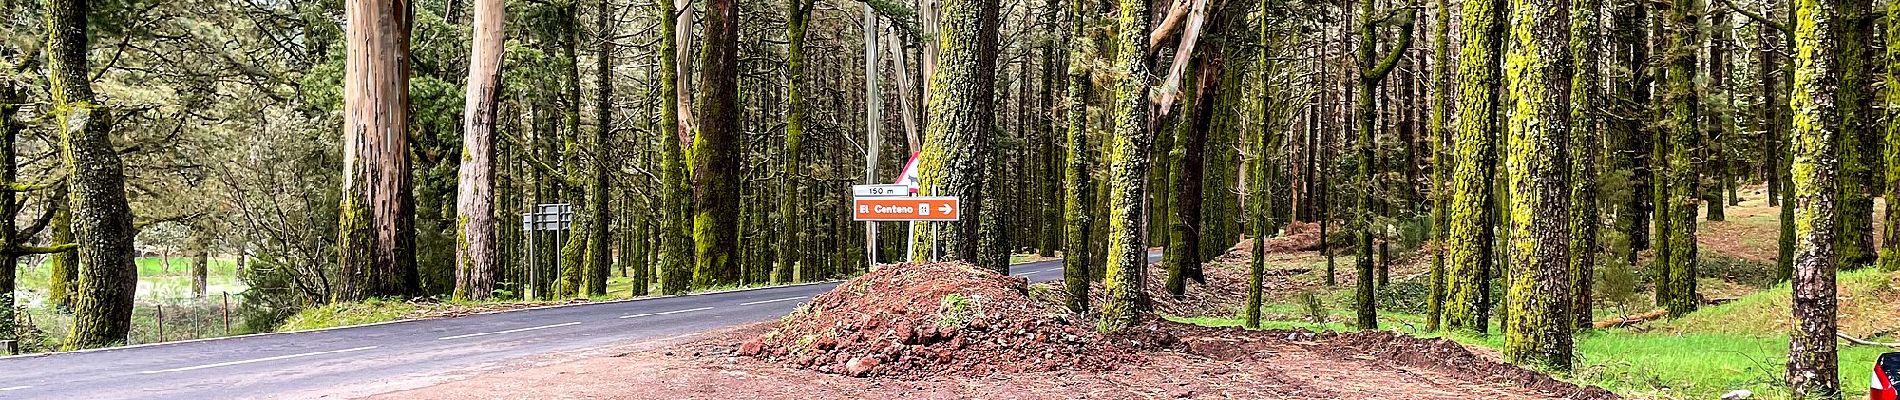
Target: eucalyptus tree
476,267
377,226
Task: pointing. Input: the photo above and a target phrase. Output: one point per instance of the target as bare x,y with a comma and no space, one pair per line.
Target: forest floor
935,331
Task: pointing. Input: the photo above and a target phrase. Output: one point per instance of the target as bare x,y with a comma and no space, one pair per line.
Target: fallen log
1865,342
1628,320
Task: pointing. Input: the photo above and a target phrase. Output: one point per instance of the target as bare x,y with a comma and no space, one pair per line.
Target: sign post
933,208
554,217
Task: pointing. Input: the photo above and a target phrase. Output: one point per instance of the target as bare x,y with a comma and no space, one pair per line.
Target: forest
1547,163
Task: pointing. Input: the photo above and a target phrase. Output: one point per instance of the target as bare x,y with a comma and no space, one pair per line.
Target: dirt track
1213,364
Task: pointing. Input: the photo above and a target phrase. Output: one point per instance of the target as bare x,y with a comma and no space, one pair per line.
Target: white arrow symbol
944,209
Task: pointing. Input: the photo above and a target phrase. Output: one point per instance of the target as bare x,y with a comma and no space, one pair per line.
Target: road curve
332,362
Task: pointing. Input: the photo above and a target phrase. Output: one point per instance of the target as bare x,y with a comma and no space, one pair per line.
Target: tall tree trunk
716,151
1585,145
1890,242
475,263
1183,258
600,260
63,267
1468,245
1677,288
1077,196
956,142
1860,146
1817,171
1442,163
1373,68
676,245
377,248
1538,330
1127,163
107,276
786,269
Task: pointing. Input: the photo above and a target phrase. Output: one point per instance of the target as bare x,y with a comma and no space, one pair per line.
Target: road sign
880,190
909,178
946,208
548,217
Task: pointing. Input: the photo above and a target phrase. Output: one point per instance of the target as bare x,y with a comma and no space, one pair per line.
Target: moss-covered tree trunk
1889,246
1077,194
1817,173
1127,163
62,267
1260,164
1442,163
377,247
1183,258
107,277
1469,238
1860,145
956,145
600,239
1373,68
675,236
475,263
1538,77
716,151
1716,141
1676,290
1585,144
786,269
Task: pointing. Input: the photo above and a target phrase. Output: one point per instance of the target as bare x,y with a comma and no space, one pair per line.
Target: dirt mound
922,319
1445,355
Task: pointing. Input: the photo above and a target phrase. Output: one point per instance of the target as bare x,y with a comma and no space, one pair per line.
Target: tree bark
1585,144
1817,168
716,151
1677,288
956,143
1127,163
107,276
475,263
1468,245
1077,196
675,237
377,247
600,253
1539,79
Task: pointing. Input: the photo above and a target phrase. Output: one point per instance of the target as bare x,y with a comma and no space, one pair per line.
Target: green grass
346,314
1701,356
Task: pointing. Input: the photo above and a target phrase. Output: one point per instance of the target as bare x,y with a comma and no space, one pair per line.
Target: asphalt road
349,362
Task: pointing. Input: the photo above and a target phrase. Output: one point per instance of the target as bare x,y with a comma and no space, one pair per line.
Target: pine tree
1817,177
1077,195
1584,147
675,237
1538,77
1373,69
1890,249
107,276
716,150
1860,146
1676,220
1468,245
1127,163
956,143
1441,162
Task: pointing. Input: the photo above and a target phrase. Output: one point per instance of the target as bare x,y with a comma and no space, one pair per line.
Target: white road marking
1047,270
507,331
772,301
683,311
284,357
9,389
665,313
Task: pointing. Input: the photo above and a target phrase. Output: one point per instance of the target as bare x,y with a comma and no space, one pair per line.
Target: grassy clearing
346,314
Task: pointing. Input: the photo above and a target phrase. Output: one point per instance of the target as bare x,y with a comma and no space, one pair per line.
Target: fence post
227,313
161,324
9,347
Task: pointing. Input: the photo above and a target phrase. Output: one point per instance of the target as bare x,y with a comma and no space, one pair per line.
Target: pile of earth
924,319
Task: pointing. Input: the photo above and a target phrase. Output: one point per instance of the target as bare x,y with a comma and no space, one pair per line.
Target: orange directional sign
907,208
